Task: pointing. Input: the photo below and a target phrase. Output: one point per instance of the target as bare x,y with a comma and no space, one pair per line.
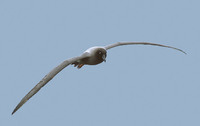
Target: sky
138,85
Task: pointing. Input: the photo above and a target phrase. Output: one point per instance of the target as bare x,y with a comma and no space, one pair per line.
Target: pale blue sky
138,85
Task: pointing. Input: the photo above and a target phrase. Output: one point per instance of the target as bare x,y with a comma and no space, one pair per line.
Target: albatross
92,56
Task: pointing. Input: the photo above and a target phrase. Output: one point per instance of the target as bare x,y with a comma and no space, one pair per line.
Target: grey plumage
139,43
91,56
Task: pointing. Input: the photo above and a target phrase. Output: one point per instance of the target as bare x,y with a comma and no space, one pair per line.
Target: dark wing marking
47,78
140,43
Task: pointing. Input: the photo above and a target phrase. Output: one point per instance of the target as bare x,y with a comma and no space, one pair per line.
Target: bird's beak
104,58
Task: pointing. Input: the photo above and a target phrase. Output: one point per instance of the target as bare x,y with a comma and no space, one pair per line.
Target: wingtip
17,107
183,51
14,111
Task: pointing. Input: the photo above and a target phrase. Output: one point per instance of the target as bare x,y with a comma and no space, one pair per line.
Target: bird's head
101,54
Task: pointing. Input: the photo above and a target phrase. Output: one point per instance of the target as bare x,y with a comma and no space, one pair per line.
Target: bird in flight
92,56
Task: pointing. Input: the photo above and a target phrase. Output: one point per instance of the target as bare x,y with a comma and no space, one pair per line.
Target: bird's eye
100,52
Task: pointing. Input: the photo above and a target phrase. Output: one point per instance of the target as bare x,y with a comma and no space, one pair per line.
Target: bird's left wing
139,43
47,78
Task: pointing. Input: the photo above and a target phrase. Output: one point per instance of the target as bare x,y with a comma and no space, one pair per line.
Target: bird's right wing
47,78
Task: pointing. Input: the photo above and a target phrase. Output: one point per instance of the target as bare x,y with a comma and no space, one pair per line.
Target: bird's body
92,56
